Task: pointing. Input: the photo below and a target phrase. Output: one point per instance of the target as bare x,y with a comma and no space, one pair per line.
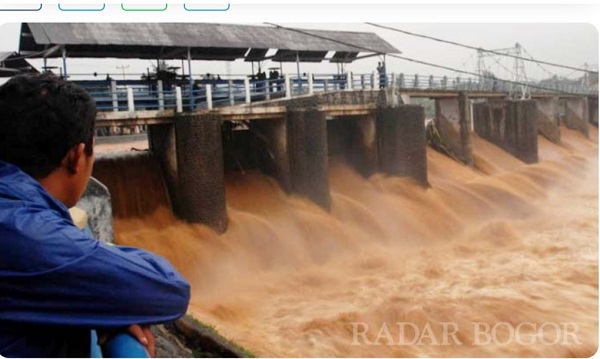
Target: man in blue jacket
57,283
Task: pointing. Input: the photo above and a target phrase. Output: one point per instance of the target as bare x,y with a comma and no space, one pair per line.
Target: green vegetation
216,334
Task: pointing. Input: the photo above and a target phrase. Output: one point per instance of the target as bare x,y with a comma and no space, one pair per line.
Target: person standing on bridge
58,283
382,75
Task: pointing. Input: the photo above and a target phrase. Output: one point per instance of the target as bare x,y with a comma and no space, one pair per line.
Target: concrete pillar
511,125
548,119
401,142
577,114
114,95
231,96
161,95
307,151
178,100
201,182
353,138
521,121
349,81
130,101
593,107
247,90
452,119
209,100
162,144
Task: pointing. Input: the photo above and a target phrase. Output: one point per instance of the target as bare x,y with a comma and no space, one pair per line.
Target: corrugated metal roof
168,40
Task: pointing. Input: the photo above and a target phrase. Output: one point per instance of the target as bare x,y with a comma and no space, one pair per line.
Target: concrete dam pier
292,140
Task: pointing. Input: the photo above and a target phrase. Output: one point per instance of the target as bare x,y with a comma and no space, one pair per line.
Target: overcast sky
569,44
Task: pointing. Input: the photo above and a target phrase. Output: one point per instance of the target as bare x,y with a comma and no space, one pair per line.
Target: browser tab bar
20,7
81,7
206,7
144,7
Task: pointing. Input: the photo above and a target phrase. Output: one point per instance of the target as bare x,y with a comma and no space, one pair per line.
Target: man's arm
97,286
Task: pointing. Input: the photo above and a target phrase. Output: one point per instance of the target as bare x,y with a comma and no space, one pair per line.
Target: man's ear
72,161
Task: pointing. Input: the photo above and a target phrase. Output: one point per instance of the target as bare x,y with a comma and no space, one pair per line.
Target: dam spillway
497,237
500,242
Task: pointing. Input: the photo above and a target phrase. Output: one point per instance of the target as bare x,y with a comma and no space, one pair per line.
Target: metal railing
208,94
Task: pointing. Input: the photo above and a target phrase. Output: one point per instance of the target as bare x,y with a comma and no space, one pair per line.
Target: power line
478,48
413,60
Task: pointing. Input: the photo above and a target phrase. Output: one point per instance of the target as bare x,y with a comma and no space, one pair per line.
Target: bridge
289,127
142,102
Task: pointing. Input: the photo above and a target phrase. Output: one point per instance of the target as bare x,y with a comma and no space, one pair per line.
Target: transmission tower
518,89
589,79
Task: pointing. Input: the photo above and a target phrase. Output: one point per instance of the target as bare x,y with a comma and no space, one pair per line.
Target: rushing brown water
139,189
502,245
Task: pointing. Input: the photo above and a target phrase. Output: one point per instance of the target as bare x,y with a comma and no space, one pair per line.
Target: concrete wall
577,114
593,107
354,140
239,148
272,147
453,121
401,142
307,151
162,143
201,181
294,151
548,119
510,125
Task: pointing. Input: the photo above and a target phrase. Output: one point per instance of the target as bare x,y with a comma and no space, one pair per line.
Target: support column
522,125
593,107
464,120
163,145
452,119
577,114
201,181
307,151
548,119
511,125
401,142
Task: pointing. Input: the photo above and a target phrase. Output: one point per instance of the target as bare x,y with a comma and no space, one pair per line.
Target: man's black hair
42,117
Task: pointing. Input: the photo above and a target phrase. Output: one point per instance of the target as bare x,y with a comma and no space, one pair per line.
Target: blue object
124,346
58,282
95,350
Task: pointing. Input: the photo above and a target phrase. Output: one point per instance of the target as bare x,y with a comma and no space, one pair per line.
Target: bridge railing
203,94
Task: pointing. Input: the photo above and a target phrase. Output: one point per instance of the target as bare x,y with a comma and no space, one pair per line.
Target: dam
503,231
327,215
334,214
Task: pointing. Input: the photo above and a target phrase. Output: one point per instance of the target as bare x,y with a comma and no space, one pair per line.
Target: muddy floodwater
500,260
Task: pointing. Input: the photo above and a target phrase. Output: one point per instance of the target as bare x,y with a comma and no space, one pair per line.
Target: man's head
47,130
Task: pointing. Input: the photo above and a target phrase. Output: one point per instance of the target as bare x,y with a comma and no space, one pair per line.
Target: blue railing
144,95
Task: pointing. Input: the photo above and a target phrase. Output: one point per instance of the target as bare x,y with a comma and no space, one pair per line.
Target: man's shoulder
35,239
